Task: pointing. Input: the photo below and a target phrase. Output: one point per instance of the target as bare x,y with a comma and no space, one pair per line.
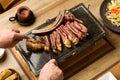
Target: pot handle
12,19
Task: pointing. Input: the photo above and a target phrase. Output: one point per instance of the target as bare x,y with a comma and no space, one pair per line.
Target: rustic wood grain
114,69
87,56
23,64
75,62
42,13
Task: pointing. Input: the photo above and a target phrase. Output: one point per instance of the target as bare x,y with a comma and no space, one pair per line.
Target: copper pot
24,14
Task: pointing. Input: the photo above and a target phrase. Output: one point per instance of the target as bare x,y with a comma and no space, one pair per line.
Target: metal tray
37,60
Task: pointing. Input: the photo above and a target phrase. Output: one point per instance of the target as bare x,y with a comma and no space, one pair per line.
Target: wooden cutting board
75,62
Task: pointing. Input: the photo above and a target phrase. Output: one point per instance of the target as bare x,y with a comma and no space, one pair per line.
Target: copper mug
24,16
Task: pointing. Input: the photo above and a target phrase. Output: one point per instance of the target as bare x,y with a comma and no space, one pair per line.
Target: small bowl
2,52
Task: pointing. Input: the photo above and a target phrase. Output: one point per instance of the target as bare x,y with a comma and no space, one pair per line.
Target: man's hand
9,37
51,71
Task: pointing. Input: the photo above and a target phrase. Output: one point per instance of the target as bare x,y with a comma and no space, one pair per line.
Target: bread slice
12,77
4,74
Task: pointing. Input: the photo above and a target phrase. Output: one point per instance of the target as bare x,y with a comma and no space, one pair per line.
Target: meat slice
68,16
57,40
70,35
78,20
47,43
81,27
53,44
44,40
52,26
74,30
34,45
40,39
64,37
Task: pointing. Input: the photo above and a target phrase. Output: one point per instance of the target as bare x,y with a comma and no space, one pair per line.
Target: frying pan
108,24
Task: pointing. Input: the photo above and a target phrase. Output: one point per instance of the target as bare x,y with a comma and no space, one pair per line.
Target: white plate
107,76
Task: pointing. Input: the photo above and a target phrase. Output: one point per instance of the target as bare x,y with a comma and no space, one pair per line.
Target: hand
51,71
9,37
